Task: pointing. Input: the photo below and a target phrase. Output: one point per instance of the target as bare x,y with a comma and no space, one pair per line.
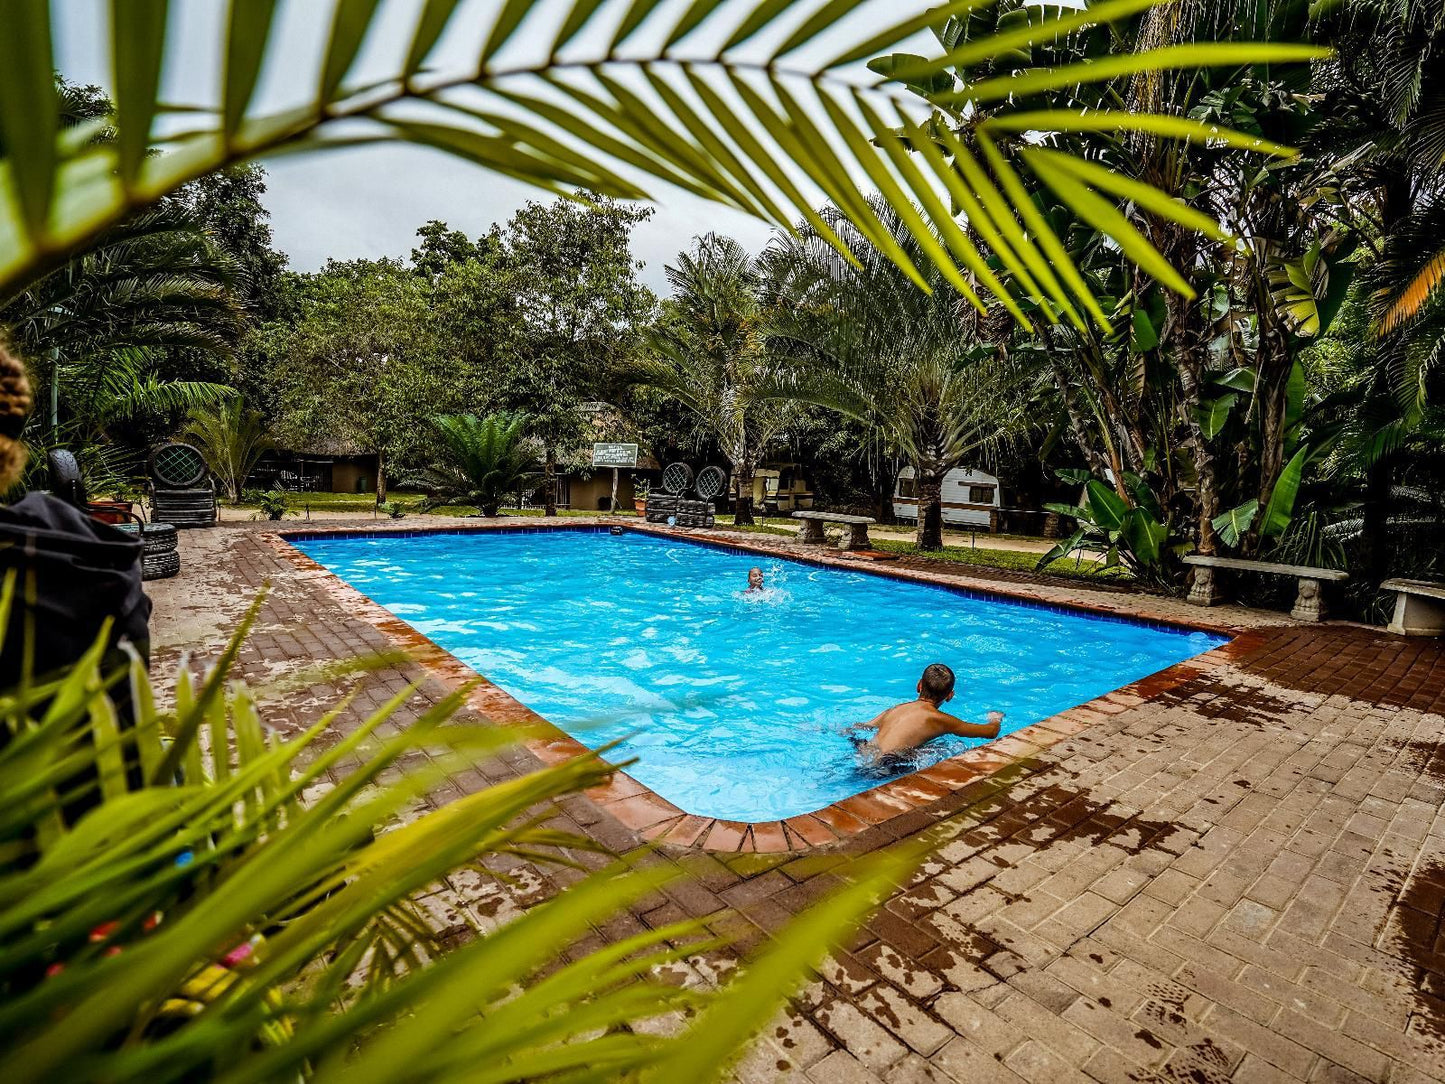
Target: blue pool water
733,705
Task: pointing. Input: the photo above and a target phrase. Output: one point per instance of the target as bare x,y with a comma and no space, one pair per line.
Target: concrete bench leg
858,537
812,532
1205,591
1309,604
1417,616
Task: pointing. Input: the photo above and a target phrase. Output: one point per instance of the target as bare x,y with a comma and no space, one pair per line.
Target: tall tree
230,204
359,366
580,310
708,353
917,367
439,248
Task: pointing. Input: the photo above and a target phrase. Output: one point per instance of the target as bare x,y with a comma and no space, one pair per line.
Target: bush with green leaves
479,461
231,438
1133,531
233,904
272,504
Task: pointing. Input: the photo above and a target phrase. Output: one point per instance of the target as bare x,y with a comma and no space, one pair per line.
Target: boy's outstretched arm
965,729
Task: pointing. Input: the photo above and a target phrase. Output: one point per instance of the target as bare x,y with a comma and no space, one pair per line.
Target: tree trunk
1272,401
1191,377
930,510
1375,555
885,481
380,476
1079,425
743,498
549,481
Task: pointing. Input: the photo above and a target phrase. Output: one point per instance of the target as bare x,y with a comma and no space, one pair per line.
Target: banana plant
739,101
1133,533
186,894
1235,525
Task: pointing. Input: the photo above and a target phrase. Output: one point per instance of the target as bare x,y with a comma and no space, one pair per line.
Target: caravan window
980,494
907,488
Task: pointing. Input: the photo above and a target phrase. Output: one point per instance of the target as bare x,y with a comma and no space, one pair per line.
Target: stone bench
813,528
1419,607
1309,604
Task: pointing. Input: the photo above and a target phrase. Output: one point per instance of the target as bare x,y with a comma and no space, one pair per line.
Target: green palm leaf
763,134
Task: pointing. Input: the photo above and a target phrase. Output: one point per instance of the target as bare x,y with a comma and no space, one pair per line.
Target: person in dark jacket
72,573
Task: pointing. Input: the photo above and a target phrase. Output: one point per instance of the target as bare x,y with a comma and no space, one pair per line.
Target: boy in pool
755,580
905,727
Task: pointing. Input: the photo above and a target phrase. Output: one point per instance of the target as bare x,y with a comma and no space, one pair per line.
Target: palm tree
921,369
481,460
708,354
102,321
729,120
231,438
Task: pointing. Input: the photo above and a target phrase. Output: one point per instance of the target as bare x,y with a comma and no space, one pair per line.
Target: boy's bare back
910,725
907,726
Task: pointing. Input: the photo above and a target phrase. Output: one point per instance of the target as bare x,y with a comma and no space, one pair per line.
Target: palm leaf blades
755,125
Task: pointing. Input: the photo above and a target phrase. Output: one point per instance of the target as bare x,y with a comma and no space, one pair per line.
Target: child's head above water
936,684
755,579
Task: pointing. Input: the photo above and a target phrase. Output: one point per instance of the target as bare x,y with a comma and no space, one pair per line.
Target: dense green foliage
919,368
531,318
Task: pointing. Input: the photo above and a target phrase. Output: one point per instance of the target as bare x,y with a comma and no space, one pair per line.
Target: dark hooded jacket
73,574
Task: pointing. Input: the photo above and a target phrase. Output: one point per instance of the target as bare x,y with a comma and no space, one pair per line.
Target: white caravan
967,498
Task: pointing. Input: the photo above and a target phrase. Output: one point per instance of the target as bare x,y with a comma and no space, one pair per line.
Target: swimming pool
732,704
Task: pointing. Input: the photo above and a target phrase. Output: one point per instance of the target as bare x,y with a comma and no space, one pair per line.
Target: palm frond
1415,293
759,128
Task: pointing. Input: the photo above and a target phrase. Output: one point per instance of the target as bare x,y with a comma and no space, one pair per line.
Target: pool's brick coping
639,808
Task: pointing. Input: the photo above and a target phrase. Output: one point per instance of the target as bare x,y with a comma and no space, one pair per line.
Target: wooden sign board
614,455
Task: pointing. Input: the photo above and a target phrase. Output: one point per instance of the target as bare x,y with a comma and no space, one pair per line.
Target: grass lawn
1010,559
760,527
410,503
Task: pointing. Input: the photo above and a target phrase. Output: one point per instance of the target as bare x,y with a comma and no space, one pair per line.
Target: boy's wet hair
937,682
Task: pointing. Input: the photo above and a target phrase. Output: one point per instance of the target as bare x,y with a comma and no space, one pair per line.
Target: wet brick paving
1240,877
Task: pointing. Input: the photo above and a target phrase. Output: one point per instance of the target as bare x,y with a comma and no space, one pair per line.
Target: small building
780,489
319,469
590,488
970,498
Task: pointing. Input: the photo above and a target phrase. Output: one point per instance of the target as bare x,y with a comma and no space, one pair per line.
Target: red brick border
642,810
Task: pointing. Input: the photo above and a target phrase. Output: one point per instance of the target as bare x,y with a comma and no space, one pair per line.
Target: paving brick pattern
1239,878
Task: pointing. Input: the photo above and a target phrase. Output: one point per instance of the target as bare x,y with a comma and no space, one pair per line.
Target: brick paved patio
1241,878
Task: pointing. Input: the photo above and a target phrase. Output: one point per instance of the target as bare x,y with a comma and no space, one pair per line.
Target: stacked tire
185,507
159,556
181,491
694,513
661,507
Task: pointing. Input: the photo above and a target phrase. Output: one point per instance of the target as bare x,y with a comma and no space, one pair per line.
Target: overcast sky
366,202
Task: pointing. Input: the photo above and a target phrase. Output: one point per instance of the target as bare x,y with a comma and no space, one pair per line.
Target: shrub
479,461
272,505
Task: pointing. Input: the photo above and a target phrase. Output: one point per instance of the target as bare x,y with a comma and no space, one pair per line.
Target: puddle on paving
1418,926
